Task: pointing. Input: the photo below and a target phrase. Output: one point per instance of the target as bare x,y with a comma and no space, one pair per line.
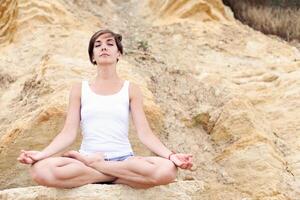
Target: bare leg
65,172
100,157
139,170
86,159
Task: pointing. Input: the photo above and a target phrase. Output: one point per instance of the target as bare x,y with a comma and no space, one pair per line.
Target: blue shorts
120,158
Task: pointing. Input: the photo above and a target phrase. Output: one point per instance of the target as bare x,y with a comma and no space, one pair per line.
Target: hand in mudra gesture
30,157
181,160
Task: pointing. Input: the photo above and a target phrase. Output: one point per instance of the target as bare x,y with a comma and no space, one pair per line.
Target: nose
104,46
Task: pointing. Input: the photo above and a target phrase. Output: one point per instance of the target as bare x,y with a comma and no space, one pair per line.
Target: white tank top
104,122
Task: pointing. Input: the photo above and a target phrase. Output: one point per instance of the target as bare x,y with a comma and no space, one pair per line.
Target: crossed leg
137,172
62,172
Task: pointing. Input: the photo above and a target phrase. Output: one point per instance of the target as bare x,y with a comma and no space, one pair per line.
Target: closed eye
98,45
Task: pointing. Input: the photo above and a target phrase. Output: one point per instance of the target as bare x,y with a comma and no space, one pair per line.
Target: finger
23,152
183,166
21,158
183,159
30,153
22,155
29,161
186,158
190,165
21,161
178,162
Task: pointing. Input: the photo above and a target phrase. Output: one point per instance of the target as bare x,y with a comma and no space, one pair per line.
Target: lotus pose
101,107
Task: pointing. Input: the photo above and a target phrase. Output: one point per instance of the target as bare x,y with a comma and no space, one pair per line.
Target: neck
107,73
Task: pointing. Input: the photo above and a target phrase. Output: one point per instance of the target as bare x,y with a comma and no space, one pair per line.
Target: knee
165,174
40,173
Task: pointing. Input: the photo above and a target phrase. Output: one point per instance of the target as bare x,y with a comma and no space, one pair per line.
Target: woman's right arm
67,135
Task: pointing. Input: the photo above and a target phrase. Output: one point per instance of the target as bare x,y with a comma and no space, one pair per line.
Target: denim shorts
120,158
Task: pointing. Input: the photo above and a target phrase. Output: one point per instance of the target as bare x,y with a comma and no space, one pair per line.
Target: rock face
202,10
8,12
181,190
212,87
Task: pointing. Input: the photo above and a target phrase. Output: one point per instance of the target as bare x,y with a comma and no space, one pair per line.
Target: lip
104,54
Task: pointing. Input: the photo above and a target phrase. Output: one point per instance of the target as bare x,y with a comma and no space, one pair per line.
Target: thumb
177,161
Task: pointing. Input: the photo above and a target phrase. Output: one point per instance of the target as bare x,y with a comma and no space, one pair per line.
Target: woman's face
106,50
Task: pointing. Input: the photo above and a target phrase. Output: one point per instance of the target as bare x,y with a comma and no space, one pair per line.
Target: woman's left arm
144,131
145,134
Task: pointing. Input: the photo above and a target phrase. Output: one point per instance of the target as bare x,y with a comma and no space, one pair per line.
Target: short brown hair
116,36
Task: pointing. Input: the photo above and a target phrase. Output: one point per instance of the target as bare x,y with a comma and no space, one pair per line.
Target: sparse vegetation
278,17
143,45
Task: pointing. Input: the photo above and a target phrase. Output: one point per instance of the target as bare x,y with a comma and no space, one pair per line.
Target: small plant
143,45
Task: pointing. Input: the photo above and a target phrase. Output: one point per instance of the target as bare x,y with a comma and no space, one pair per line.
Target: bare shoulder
134,91
76,90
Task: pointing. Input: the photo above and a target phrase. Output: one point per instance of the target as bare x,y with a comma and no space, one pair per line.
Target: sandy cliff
212,87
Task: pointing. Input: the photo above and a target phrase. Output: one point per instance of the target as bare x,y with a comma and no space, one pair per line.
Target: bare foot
74,154
95,157
86,159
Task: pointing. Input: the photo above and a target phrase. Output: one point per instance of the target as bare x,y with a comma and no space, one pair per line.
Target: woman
102,108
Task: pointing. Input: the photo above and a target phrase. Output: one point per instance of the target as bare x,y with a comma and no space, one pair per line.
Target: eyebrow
108,40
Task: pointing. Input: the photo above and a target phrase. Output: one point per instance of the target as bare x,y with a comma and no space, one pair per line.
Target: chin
106,62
